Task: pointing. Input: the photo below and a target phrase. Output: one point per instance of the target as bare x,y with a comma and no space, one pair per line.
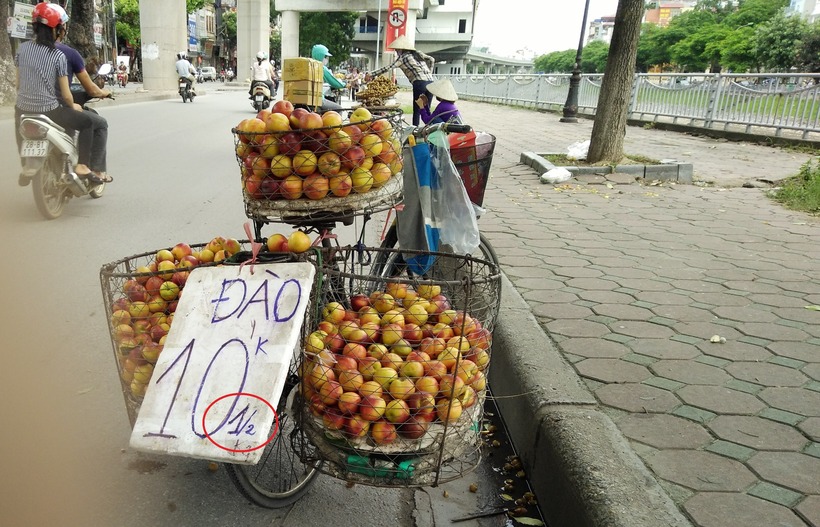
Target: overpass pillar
164,30
290,34
252,34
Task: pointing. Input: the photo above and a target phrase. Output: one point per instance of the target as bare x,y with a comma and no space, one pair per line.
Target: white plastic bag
556,175
578,150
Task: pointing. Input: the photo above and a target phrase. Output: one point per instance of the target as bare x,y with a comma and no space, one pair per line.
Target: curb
667,171
581,468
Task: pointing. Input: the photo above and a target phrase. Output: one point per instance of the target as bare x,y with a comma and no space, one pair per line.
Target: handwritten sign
223,367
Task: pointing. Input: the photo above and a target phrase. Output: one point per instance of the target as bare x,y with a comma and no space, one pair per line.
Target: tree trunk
8,90
81,28
607,140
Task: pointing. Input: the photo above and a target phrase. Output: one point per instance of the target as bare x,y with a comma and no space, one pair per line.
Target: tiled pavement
633,282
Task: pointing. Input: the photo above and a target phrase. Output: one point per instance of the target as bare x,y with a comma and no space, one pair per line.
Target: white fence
783,104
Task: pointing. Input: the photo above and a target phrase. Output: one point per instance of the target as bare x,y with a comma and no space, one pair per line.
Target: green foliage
193,5
556,62
128,21
802,192
808,54
738,50
593,58
335,30
778,41
652,50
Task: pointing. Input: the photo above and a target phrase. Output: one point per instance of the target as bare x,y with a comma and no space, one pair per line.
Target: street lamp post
571,106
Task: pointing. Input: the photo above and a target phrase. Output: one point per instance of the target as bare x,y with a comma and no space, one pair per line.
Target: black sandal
95,180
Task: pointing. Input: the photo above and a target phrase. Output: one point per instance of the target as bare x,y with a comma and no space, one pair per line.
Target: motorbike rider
41,69
122,73
186,70
87,89
322,54
262,70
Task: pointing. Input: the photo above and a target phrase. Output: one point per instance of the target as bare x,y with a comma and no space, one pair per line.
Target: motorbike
260,96
104,76
49,153
186,90
122,78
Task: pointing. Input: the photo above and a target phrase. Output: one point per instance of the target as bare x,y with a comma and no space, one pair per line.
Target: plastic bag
578,150
437,209
556,175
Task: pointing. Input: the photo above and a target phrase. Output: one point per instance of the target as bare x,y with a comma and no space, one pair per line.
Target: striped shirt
415,65
39,68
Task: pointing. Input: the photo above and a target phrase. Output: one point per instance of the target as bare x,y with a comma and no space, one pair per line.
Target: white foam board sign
223,367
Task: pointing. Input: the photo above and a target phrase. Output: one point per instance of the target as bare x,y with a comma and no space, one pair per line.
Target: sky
543,26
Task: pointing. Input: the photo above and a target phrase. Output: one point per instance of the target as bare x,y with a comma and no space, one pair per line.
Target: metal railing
751,103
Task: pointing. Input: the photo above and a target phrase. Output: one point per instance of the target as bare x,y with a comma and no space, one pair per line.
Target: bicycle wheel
280,478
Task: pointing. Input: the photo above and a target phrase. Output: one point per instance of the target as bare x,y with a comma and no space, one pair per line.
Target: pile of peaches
288,154
392,364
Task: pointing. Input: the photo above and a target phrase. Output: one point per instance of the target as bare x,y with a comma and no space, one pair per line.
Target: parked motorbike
104,76
260,96
49,153
186,90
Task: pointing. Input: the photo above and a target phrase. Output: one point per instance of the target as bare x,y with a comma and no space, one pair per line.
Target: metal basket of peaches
294,162
393,374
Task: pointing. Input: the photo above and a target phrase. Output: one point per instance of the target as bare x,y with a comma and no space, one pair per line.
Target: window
462,25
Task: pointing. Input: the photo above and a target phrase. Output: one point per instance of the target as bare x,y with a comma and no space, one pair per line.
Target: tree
128,22
607,140
81,28
334,29
778,41
8,89
556,62
651,49
808,54
593,57
738,52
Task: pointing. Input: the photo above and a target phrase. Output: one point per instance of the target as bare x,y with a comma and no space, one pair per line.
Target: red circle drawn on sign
241,394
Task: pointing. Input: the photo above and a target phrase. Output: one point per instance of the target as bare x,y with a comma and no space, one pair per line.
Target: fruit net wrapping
301,172
472,155
433,444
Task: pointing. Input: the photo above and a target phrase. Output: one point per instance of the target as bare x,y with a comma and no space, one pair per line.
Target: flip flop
95,180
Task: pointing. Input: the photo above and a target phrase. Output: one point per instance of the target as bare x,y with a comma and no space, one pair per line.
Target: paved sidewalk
632,284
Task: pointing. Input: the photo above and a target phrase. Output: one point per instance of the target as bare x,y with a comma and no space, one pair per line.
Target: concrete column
252,34
164,30
290,34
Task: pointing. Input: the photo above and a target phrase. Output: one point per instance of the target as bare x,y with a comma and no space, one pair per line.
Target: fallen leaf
506,497
83,391
813,308
525,520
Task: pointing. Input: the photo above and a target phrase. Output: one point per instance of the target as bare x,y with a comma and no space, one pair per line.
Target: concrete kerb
668,170
581,467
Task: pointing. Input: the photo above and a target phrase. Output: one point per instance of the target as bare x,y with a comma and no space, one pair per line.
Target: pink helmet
51,15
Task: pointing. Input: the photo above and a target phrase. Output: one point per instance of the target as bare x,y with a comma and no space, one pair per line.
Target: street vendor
322,54
417,67
446,110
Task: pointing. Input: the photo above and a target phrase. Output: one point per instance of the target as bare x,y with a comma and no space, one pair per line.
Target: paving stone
776,300
550,296
534,286
686,339
638,329
663,298
698,286
577,328
720,299
811,427
799,314
700,470
706,330
743,386
813,386
615,337
720,400
663,321
623,312
592,283
637,398
599,318
638,284
809,510
562,310
787,362
612,370
775,494
594,348
756,432
664,431
565,261
766,374
690,372
770,331
577,272
795,400
607,297
708,509
812,370
812,450
713,361
787,418
639,359
731,450
664,384
745,314
682,313
754,341
753,286
790,469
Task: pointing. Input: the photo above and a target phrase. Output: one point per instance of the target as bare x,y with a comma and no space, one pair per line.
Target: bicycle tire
280,478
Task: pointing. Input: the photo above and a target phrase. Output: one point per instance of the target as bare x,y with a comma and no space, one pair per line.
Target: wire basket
344,167
140,295
472,155
393,369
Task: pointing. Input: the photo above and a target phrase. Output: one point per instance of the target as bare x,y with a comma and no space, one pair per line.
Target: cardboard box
304,92
302,69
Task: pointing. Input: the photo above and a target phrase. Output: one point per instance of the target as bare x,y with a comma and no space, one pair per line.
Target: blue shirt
76,64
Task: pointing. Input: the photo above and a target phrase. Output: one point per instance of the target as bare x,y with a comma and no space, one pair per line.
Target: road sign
397,18
222,370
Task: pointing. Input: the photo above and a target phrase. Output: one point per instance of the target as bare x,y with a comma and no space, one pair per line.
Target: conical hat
402,42
443,89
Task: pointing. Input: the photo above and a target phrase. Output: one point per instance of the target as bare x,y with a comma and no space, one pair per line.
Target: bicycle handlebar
423,131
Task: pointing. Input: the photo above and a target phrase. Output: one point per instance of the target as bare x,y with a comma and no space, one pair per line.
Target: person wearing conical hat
417,66
446,110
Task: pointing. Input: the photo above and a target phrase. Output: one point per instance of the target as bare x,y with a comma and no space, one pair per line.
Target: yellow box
304,92
302,69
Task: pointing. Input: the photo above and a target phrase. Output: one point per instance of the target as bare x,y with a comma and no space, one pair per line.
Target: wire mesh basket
393,368
326,165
